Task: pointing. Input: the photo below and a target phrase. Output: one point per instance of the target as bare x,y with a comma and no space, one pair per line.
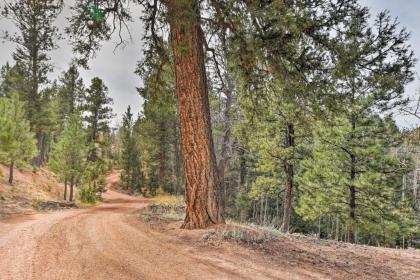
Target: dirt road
104,242
111,242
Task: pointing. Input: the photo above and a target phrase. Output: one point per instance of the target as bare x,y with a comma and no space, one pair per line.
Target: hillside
28,190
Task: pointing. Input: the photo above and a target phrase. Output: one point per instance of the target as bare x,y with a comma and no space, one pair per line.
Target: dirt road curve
105,242
111,242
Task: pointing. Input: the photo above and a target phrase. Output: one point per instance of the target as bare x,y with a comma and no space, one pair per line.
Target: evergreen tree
71,93
373,65
183,19
12,79
98,115
340,165
131,176
68,158
17,143
36,37
48,120
155,128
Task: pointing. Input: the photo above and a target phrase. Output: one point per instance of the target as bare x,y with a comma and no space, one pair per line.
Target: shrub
87,195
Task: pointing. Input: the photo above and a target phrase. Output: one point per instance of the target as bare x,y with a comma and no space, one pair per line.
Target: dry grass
164,208
244,234
168,200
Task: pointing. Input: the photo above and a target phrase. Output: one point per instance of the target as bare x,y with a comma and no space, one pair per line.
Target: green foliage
36,37
156,131
17,143
68,158
87,195
131,175
97,117
324,186
70,95
12,80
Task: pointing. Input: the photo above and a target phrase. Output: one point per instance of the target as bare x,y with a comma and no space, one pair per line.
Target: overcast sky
117,68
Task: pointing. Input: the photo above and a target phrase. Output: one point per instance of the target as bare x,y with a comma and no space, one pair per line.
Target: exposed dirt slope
110,241
28,187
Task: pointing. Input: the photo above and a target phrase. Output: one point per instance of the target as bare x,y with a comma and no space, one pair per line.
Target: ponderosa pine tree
187,41
98,115
12,79
373,65
131,175
36,37
378,214
279,138
156,126
17,143
283,53
71,93
68,157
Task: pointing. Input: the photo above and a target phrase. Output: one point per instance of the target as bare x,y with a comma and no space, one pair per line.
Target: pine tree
131,176
183,18
71,93
333,174
68,157
36,37
373,65
17,143
12,79
99,114
159,117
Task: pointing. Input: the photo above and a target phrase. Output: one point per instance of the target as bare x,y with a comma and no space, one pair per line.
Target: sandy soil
28,187
110,241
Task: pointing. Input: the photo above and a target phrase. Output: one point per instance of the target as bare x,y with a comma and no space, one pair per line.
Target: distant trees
132,174
17,143
156,129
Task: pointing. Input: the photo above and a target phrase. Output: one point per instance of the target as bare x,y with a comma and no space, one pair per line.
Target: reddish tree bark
200,168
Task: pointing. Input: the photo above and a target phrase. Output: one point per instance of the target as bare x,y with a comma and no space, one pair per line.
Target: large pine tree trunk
289,170
201,176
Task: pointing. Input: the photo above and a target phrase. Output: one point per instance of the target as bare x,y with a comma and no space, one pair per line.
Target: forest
281,113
